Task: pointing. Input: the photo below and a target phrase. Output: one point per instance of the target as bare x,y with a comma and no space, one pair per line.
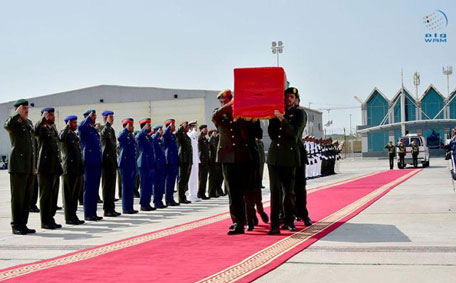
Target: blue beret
107,112
47,109
88,111
156,127
70,118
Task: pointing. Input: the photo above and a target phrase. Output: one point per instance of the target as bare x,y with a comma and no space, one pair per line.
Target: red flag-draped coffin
258,92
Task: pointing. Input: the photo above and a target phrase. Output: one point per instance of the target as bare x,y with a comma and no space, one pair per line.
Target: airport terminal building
137,103
431,115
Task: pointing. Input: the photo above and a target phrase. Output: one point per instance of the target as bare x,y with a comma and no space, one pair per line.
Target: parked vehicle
423,155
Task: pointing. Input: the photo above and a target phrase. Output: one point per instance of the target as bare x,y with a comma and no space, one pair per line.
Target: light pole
350,125
277,48
447,72
416,82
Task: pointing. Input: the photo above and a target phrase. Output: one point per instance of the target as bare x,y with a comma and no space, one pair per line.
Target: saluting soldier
300,191
159,182
402,152
73,169
109,171
127,164
172,161
146,164
185,161
235,152
49,167
91,148
415,152
283,159
215,168
203,170
391,153
21,166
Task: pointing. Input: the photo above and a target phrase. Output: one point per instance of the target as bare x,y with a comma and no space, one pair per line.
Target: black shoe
72,222
291,227
136,195
147,208
99,201
58,208
93,218
57,226
81,222
284,227
130,212
116,199
236,231
264,217
110,214
185,202
263,187
161,206
307,222
34,209
203,197
29,231
232,226
250,227
172,204
48,226
274,231
17,231
118,213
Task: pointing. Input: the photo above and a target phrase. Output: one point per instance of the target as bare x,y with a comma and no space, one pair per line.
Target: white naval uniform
193,180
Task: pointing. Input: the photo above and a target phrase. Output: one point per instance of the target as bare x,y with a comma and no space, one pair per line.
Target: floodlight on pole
416,82
447,72
277,48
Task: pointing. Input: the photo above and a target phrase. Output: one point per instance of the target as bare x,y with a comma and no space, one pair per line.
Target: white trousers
193,183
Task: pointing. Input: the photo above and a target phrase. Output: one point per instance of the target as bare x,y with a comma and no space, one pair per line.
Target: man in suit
21,166
91,148
203,170
49,167
172,161
127,164
73,169
215,168
236,152
146,164
185,161
160,162
109,169
283,158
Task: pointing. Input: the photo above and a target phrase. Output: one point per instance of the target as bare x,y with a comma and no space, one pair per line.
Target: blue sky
334,50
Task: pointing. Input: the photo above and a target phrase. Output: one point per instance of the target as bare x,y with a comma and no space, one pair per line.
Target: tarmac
409,235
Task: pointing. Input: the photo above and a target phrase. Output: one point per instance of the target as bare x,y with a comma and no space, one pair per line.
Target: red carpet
201,250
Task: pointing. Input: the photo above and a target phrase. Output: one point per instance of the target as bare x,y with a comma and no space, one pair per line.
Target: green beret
21,102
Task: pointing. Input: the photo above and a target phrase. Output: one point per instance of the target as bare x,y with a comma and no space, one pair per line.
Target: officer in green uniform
415,152
215,168
109,164
73,169
21,166
203,166
402,152
185,161
49,167
391,153
283,159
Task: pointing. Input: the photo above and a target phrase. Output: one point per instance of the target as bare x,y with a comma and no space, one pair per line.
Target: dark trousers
203,172
159,185
72,185
391,161
147,176
252,196
128,186
108,185
300,193
182,182
415,159
401,159
119,184
92,176
21,191
238,180
261,171
170,181
49,192
215,180
34,198
282,181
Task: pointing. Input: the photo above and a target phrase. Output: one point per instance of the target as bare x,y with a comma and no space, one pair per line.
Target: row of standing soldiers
323,157
89,156
402,151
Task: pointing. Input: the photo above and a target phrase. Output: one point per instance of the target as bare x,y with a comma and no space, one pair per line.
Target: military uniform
203,170
215,169
146,166
21,166
91,149
49,171
391,153
402,152
127,165
109,169
283,159
235,153
185,162
415,152
172,163
73,172
160,162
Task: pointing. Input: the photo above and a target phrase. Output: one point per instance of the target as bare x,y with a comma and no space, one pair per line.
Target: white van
423,155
